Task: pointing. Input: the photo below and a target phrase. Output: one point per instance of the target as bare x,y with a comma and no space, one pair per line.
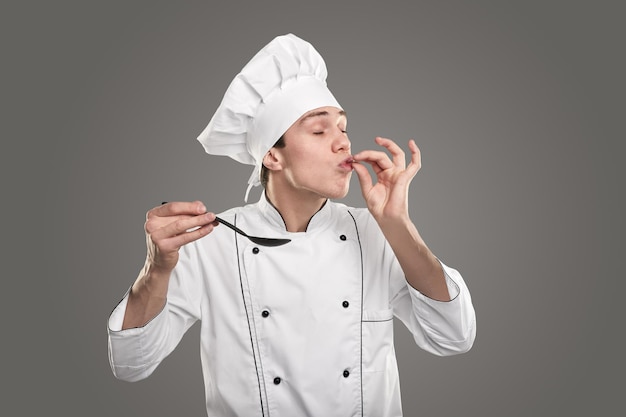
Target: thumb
365,179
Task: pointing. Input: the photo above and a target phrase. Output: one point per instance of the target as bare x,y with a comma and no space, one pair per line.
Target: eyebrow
318,114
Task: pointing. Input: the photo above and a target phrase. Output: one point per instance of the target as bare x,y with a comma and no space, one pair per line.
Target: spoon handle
263,241
236,229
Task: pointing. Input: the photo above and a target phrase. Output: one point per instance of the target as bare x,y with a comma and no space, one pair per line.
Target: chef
304,328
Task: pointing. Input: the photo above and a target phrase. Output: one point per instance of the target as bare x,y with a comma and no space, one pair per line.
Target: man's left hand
387,199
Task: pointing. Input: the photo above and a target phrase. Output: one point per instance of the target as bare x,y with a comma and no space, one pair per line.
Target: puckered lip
347,163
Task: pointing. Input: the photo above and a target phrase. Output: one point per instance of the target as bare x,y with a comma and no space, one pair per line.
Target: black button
265,313
255,250
277,381
343,237
346,373
345,304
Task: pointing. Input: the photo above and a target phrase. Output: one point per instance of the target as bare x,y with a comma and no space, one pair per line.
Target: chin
335,192
339,194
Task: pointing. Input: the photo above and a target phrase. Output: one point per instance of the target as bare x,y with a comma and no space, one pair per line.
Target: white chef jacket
304,329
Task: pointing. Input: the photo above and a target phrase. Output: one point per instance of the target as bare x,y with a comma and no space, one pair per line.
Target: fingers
365,179
380,161
165,227
377,159
168,243
396,152
172,225
416,158
177,208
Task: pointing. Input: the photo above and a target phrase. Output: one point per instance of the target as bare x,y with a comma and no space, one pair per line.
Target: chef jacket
304,329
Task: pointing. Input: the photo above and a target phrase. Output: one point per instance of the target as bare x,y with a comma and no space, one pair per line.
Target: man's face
316,158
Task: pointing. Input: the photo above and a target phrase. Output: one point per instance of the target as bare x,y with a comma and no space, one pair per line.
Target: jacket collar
319,220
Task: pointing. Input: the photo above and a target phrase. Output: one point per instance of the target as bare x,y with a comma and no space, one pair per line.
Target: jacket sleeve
135,353
439,327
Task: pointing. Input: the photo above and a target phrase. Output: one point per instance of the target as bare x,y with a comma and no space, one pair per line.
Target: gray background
518,108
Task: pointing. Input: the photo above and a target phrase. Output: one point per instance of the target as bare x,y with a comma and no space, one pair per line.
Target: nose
341,142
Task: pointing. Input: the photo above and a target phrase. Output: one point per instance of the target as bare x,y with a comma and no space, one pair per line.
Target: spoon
263,241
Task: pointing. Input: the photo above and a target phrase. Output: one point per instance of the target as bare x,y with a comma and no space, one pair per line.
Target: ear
272,160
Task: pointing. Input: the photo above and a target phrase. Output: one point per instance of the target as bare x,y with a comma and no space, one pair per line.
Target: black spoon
263,241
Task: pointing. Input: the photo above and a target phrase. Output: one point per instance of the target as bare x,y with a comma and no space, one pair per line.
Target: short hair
265,173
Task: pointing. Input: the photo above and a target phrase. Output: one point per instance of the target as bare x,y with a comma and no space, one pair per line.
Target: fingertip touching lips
347,163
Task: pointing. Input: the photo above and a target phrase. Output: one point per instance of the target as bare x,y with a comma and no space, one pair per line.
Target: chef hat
284,80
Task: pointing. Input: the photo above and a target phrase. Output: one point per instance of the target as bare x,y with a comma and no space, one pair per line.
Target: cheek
302,159
305,170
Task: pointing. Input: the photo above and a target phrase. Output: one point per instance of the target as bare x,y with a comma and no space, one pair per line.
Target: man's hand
172,225
168,227
388,201
388,198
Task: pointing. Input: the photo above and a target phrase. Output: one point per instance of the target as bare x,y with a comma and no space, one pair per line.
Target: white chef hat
284,80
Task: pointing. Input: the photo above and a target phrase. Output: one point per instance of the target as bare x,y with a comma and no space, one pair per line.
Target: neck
296,210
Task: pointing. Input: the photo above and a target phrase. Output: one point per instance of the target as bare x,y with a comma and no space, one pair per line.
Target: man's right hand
170,226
